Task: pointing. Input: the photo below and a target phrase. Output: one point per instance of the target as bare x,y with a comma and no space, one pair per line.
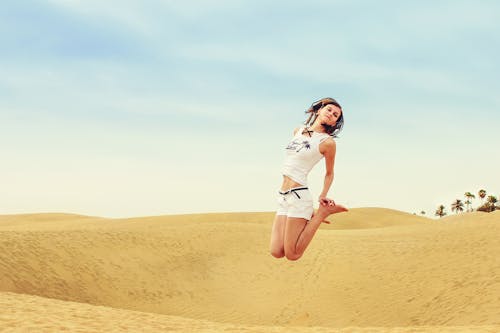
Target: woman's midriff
289,183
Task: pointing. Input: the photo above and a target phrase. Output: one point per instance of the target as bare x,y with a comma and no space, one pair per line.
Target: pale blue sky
121,108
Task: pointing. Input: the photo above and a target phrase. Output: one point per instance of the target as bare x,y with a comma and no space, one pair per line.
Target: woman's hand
324,201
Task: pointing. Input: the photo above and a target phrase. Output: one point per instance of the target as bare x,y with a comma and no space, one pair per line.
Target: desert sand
371,270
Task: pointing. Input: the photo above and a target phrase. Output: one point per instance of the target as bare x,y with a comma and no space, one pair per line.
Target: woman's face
329,114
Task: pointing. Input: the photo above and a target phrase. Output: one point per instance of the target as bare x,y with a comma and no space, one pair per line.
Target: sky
141,108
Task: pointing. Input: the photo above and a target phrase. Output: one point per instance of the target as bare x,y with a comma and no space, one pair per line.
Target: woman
295,224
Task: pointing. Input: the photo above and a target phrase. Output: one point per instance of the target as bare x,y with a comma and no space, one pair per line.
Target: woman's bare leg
278,236
299,233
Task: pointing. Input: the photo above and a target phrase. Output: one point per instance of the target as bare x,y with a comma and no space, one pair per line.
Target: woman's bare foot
336,209
325,211
324,221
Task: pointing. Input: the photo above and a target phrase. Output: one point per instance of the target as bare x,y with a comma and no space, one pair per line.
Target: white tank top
302,154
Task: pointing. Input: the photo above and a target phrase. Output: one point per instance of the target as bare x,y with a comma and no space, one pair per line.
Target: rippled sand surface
372,269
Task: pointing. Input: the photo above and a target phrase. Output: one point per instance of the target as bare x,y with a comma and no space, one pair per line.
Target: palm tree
469,196
457,206
440,211
467,204
482,195
491,201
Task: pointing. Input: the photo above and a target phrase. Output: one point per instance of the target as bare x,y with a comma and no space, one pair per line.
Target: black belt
294,191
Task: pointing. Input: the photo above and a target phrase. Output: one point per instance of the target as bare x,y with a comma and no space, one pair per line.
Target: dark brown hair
316,106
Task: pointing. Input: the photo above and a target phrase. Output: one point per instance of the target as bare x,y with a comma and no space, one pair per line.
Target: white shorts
296,202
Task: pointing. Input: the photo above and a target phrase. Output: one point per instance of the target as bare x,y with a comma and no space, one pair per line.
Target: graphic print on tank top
298,146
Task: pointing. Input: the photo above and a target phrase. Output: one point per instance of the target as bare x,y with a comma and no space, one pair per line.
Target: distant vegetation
487,204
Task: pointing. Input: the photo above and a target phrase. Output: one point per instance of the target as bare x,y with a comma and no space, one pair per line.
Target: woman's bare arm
328,148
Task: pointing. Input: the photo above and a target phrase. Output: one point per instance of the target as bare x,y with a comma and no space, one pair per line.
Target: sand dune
38,314
372,268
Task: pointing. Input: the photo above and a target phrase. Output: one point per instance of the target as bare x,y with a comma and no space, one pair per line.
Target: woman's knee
293,256
277,253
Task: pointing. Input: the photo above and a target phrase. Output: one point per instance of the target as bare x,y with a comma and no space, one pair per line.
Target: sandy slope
371,267
27,313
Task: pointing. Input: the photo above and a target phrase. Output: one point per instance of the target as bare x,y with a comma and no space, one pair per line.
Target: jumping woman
295,224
